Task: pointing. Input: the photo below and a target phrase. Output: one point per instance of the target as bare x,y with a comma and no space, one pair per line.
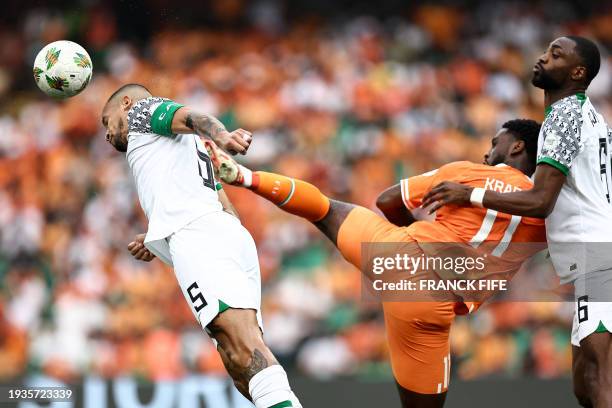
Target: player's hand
447,193
234,142
138,250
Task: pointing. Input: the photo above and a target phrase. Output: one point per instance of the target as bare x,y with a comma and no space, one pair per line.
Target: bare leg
250,363
579,377
241,346
410,399
330,224
597,352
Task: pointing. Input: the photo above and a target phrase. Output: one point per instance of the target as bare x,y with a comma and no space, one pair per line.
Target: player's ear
578,73
517,147
126,102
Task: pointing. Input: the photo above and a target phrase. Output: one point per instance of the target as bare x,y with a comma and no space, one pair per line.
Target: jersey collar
511,168
581,96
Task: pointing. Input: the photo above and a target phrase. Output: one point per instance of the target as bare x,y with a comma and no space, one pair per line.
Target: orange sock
294,196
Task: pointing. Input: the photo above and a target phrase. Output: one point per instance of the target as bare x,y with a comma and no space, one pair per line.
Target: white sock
247,176
270,387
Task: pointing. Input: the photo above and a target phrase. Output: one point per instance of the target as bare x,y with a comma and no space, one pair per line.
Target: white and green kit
213,255
576,140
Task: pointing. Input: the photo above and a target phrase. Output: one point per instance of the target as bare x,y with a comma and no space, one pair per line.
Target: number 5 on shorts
196,297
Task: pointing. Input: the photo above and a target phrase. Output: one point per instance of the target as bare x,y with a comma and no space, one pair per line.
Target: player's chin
536,80
494,161
119,145
543,81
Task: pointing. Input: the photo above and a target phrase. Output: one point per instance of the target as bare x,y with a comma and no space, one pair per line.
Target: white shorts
593,305
216,265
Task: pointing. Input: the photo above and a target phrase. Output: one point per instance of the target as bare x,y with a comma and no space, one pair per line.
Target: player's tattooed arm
207,126
204,125
392,206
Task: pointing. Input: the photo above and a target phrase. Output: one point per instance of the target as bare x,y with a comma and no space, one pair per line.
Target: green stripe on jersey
161,121
552,162
282,404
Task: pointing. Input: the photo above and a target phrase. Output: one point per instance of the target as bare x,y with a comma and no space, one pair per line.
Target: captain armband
161,121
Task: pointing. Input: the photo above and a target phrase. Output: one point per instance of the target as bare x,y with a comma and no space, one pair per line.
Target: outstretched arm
392,206
537,202
186,120
562,142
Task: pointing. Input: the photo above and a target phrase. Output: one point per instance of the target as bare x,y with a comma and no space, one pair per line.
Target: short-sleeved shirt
172,173
575,139
472,224
509,239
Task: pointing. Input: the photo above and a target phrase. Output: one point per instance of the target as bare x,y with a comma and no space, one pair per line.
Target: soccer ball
62,69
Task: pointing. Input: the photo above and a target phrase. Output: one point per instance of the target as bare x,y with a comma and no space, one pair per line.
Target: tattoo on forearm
204,125
189,121
258,363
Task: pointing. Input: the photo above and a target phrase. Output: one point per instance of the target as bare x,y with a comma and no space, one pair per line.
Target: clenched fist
138,249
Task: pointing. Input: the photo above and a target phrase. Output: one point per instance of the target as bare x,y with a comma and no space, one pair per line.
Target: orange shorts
417,332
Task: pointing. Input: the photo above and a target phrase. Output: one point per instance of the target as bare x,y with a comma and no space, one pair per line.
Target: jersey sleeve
562,139
152,115
414,188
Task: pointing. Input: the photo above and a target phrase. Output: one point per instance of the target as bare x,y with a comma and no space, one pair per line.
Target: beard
543,80
120,145
119,142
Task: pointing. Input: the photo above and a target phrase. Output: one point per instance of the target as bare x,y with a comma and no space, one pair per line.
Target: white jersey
575,139
173,176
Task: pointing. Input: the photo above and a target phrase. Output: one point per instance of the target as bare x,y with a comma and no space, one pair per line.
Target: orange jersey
418,332
473,225
511,239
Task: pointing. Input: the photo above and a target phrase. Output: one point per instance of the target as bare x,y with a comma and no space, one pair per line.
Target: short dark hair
589,55
528,131
126,87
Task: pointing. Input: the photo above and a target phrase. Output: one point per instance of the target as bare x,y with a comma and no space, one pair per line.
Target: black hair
127,87
589,55
528,131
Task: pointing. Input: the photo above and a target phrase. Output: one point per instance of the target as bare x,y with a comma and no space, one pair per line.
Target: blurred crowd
350,102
